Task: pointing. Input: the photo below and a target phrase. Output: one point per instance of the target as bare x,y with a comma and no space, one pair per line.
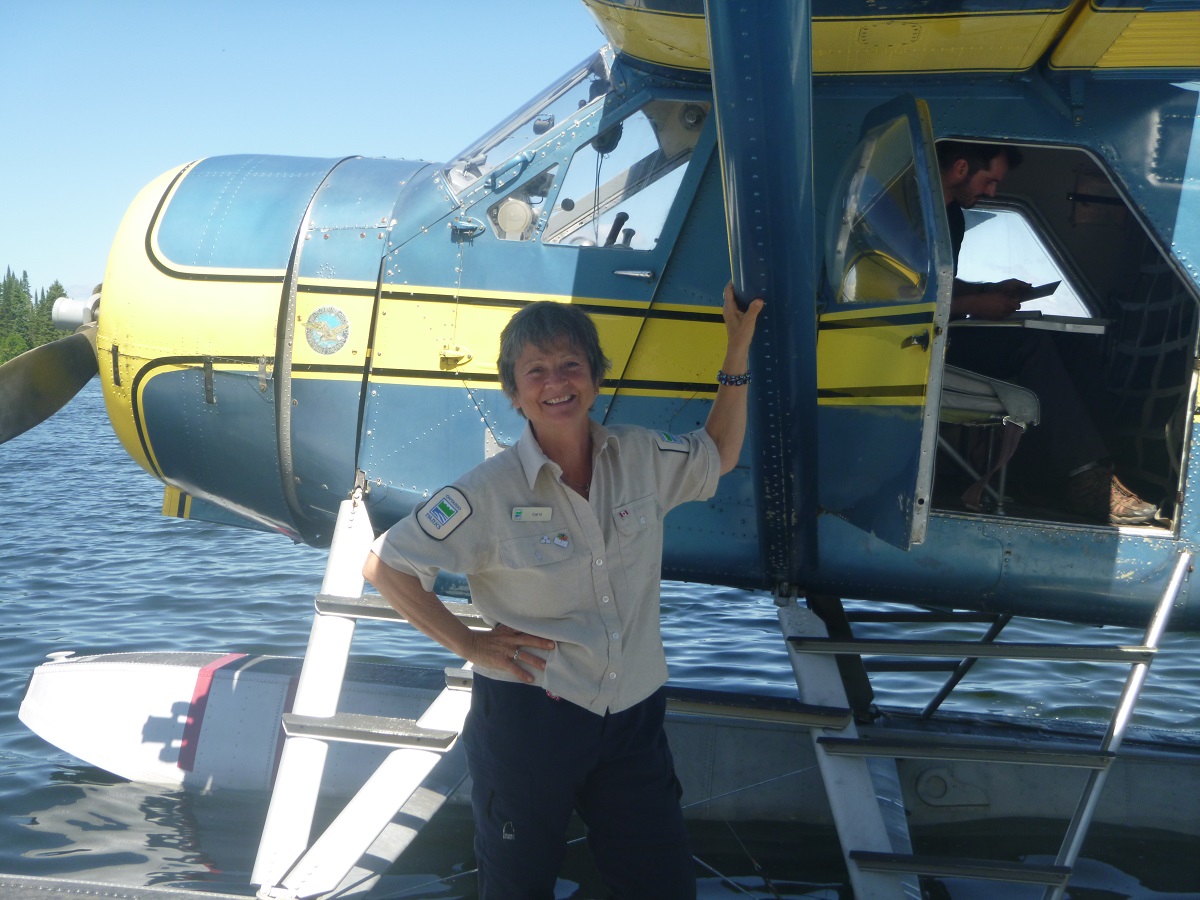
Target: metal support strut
846,793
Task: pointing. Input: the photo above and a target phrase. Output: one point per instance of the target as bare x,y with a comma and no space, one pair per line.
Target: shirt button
616,636
599,562
612,674
604,598
642,520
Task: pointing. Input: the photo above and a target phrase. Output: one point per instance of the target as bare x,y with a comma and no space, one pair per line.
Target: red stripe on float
195,714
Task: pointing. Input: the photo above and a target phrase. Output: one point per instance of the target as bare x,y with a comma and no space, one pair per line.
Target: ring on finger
517,654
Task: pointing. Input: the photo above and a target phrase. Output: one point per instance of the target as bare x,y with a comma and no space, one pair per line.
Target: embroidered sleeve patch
668,441
445,511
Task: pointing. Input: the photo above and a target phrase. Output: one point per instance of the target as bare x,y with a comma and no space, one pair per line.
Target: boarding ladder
424,767
809,644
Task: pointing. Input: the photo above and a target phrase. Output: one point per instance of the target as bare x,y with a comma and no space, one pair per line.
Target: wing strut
761,57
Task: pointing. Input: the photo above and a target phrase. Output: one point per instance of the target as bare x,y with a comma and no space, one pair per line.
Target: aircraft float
307,346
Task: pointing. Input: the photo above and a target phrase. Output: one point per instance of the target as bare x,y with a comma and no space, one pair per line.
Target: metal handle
505,173
916,340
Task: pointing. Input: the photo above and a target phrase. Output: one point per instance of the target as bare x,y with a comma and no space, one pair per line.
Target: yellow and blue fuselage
273,326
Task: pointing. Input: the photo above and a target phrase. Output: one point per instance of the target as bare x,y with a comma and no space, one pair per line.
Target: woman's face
554,385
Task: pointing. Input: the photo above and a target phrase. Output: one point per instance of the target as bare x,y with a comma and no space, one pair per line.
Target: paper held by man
1032,318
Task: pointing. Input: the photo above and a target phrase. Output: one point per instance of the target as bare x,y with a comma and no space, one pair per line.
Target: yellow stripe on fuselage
862,360
426,329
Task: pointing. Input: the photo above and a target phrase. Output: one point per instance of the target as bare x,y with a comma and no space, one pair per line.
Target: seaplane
307,347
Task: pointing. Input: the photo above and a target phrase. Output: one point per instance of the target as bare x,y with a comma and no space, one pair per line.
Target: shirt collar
533,459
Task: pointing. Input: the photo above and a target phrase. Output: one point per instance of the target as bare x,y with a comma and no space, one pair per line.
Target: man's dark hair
978,156
543,324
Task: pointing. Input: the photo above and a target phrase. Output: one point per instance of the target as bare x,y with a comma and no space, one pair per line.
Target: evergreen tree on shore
25,320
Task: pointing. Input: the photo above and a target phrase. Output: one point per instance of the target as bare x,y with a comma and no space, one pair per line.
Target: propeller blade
40,382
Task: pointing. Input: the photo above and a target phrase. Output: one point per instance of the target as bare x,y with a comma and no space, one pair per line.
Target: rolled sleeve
387,548
689,473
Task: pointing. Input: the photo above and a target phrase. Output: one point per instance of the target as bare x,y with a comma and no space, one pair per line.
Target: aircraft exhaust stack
70,313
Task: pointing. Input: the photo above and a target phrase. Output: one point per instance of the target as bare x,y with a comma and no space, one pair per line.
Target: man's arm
986,301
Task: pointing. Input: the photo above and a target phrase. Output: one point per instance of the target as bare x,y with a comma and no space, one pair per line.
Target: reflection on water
90,565
86,825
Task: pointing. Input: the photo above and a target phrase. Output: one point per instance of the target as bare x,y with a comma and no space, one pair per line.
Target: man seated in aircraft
560,538
1068,435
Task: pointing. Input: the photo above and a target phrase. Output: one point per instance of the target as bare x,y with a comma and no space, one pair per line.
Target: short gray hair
544,324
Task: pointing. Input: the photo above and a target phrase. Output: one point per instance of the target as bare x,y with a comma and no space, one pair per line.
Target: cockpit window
1001,243
621,184
580,87
877,247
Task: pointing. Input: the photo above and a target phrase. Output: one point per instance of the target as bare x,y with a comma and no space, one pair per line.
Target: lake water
91,565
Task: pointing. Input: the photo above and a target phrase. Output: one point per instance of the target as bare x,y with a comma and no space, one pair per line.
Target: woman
560,538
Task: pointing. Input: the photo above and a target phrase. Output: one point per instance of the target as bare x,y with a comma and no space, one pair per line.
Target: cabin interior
1059,216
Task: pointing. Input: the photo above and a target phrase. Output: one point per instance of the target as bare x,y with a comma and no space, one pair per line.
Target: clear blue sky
100,98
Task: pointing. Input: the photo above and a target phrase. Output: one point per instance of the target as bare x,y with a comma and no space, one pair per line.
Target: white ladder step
416,778
373,606
355,728
953,867
1016,751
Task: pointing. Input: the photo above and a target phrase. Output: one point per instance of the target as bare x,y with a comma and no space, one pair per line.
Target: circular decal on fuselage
327,330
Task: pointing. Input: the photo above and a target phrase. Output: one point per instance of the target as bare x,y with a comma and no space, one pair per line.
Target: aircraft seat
1003,408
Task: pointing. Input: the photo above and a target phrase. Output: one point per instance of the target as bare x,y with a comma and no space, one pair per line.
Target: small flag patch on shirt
668,441
445,511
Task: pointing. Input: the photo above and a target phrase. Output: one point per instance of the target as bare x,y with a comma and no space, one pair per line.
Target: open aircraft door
882,328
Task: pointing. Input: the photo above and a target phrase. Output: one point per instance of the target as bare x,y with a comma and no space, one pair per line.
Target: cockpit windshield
587,83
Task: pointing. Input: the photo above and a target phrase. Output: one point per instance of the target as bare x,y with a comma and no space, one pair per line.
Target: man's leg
1067,430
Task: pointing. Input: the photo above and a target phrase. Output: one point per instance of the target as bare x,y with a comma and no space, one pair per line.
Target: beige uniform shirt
541,559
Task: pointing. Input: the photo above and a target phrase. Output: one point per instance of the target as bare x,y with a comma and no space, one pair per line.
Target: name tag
532,513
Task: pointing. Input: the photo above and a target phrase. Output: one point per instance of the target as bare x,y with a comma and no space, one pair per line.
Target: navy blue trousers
534,759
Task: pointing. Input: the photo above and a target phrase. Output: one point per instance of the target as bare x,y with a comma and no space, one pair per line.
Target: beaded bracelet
734,380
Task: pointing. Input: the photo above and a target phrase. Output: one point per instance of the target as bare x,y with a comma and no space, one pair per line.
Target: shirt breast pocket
636,516
639,533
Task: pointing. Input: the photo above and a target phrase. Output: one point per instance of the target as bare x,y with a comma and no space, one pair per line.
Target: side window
619,186
1000,243
878,248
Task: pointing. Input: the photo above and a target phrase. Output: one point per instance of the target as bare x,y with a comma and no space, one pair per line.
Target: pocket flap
636,515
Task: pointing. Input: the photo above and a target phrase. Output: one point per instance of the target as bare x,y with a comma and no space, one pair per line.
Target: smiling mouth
558,400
